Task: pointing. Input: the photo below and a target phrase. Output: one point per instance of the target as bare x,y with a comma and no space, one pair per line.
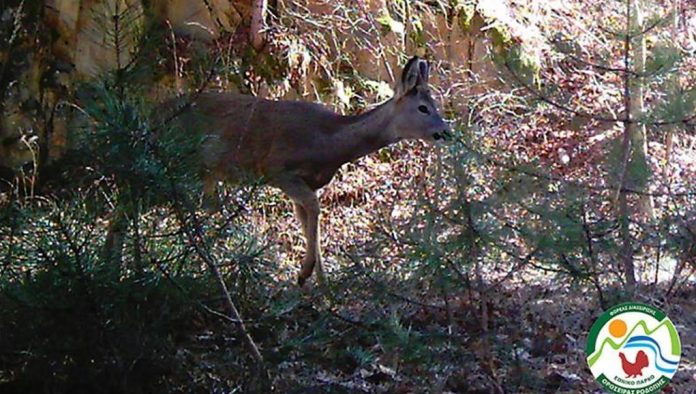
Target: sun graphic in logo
617,328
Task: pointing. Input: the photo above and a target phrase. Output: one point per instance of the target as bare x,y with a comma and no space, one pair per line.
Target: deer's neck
363,134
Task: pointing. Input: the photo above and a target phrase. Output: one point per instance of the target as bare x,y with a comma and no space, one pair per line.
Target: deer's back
244,133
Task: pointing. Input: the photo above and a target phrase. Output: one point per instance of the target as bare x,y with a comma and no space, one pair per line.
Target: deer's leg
302,217
313,251
307,210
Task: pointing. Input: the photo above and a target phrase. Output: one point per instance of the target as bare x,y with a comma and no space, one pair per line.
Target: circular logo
633,348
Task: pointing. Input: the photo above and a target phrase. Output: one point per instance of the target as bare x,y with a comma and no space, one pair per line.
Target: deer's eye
423,109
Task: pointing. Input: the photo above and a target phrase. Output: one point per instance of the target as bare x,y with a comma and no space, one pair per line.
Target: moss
472,18
466,12
500,38
515,54
389,24
417,33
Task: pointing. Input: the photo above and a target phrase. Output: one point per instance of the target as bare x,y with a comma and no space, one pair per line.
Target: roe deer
299,146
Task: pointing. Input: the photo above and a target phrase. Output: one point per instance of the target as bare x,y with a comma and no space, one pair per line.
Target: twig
550,177
388,292
196,238
618,70
593,260
586,115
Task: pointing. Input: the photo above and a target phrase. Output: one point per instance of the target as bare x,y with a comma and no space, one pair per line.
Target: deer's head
416,115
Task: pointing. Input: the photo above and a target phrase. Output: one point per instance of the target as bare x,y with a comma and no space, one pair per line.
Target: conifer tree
641,69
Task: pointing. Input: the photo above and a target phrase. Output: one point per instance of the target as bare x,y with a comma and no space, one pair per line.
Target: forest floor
525,332
523,337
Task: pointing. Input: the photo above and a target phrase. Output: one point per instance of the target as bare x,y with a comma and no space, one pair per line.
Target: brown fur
298,146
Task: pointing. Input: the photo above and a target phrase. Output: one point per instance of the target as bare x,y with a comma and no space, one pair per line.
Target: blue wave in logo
646,342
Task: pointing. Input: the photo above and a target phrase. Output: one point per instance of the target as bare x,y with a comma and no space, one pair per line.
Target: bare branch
548,177
582,114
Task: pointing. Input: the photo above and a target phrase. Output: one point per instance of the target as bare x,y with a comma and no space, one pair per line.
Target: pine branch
619,70
190,224
626,35
548,177
581,114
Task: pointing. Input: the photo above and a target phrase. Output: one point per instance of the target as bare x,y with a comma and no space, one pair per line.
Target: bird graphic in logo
633,369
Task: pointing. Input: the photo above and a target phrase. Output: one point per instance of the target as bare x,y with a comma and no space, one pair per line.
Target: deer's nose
444,135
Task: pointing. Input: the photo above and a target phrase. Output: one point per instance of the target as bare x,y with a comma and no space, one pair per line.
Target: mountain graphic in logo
641,359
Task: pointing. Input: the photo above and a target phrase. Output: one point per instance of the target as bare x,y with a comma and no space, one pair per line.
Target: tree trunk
638,133
257,32
673,85
624,212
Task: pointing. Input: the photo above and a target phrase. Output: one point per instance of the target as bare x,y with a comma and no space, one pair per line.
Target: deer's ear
423,71
415,73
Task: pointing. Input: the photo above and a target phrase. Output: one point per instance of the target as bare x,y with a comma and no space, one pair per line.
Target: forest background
472,266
